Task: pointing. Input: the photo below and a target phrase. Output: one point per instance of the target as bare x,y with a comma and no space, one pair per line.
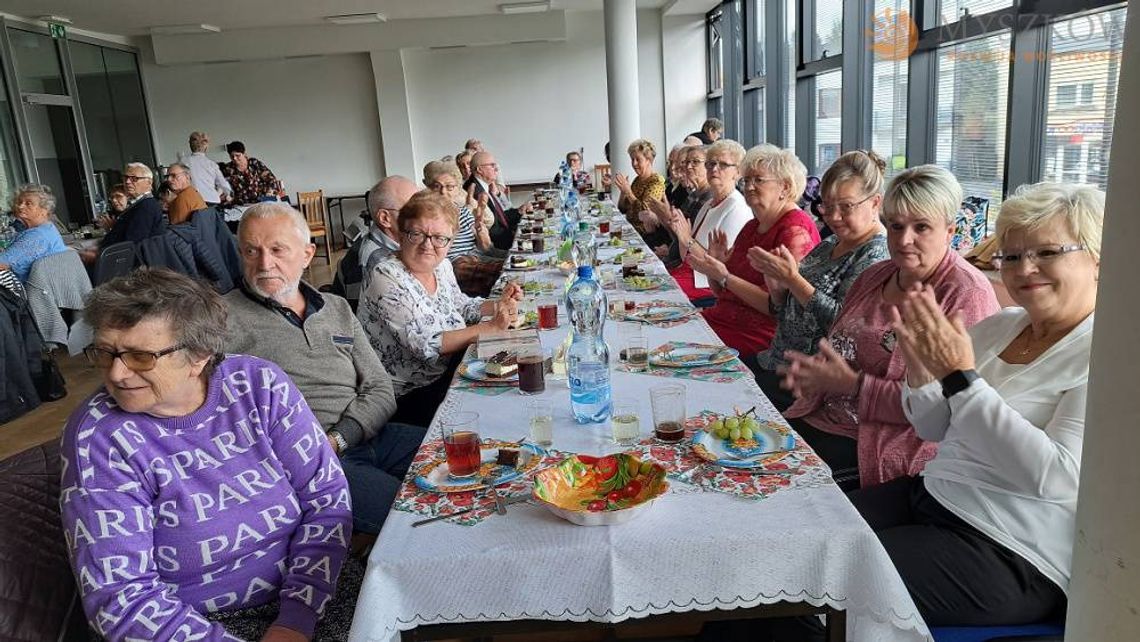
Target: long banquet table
694,550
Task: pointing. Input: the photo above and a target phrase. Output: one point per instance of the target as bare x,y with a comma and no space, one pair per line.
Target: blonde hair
435,169
781,163
1080,207
727,147
925,191
199,141
864,166
643,147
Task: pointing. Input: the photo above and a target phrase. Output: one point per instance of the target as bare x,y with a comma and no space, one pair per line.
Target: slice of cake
519,262
502,364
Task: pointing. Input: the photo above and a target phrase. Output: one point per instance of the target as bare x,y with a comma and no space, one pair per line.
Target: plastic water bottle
588,358
584,250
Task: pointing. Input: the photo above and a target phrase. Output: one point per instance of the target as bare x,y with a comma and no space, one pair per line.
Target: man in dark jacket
484,177
143,217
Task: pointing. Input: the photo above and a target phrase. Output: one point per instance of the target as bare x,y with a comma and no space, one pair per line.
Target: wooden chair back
313,206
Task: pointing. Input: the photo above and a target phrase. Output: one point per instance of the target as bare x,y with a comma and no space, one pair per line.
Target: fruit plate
600,491
476,370
435,477
643,283
661,313
691,356
770,442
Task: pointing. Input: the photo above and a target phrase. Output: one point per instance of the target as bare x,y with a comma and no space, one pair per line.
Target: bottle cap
585,271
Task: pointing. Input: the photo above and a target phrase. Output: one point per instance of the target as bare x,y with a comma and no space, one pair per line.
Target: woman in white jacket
984,537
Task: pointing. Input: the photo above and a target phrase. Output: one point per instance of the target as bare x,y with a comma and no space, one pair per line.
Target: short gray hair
199,141
435,169
925,191
383,194
1031,207
271,209
185,168
729,148
780,163
192,309
41,192
142,167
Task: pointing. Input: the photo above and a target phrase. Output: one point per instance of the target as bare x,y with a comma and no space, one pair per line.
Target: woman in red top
773,180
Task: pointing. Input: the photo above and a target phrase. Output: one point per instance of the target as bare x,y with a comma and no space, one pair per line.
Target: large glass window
828,37
11,172
828,119
889,88
713,27
791,60
37,63
971,101
110,96
1083,77
754,37
950,11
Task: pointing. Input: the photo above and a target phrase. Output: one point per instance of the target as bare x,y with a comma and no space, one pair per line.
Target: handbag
50,384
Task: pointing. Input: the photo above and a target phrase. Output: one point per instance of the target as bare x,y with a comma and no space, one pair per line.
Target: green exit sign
59,32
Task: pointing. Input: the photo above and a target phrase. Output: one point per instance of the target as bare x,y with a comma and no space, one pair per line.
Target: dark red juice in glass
463,455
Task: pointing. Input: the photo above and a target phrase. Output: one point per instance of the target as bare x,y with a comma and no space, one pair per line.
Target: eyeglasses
444,186
416,237
843,209
693,163
710,165
137,360
495,165
1037,255
131,179
749,181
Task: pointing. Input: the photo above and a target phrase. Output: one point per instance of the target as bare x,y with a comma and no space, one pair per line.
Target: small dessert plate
476,370
435,477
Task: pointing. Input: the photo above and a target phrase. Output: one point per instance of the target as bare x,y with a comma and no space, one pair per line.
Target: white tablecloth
692,550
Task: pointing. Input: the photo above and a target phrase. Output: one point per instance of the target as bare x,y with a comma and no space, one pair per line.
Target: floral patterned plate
661,313
476,370
690,356
434,476
770,442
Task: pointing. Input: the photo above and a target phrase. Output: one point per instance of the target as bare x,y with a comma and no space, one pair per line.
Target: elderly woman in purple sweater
198,488
849,395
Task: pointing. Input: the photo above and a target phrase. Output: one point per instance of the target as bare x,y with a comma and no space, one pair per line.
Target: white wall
311,120
529,103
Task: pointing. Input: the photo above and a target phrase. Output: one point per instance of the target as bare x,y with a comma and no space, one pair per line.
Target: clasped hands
507,306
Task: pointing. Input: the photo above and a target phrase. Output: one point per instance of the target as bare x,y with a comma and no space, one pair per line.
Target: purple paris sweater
240,503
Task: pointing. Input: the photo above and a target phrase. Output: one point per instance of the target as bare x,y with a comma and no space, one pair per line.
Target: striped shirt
464,241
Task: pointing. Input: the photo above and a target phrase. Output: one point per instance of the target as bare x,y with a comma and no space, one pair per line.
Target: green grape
734,434
750,423
746,433
716,425
722,433
731,423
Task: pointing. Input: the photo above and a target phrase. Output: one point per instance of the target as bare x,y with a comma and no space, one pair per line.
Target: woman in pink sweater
849,395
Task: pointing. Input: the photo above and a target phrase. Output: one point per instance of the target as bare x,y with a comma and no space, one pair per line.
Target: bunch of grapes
736,427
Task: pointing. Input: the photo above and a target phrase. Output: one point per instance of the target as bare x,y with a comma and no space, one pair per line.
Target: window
754,37
37,63
715,21
828,40
951,11
11,172
791,61
828,118
1083,75
970,118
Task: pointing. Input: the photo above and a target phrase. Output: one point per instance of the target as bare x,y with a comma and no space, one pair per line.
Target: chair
315,209
114,261
355,229
56,286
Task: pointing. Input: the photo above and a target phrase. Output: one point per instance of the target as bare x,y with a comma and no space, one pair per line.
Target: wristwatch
339,440
723,283
957,381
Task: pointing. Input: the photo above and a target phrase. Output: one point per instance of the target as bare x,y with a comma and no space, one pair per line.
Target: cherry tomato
607,467
596,505
614,496
632,488
587,459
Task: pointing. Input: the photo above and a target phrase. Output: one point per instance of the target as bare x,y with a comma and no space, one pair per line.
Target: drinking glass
461,444
531,366
637,354
541,422
625,423
548,314
668,404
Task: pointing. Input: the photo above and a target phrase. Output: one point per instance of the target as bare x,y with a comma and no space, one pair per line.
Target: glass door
57,149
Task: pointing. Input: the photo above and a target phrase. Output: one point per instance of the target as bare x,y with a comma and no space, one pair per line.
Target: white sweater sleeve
927,410
1042,461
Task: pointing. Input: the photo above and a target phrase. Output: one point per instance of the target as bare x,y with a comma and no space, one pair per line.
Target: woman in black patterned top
250,179
806,297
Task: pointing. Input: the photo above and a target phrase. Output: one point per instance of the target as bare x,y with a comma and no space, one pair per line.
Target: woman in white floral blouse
414,313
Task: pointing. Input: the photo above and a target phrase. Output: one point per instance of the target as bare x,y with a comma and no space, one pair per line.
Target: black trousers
956,575
769,382
840,453
418,405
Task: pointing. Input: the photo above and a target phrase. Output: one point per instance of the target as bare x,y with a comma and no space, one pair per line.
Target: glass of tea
538,243
668,404
461,444
548,314
604,226
531,362
637,354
